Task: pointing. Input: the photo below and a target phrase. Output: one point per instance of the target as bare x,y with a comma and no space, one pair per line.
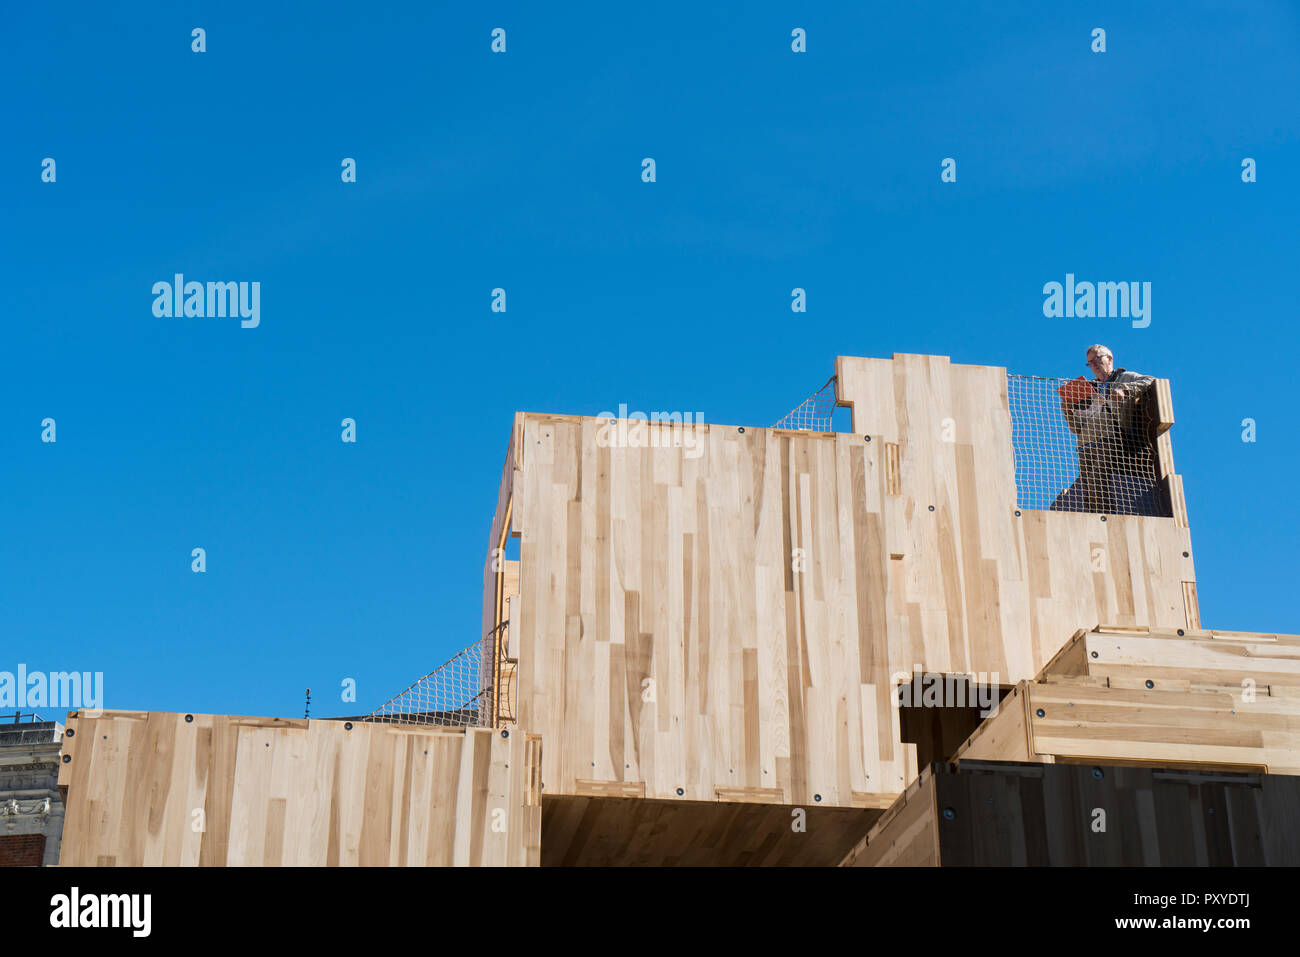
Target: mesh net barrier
1083,446
813,413
456,694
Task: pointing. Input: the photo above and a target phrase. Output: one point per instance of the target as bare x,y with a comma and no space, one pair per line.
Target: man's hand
1119,393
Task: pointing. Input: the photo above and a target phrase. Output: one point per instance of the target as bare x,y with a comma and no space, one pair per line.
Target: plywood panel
147,788
730,614
686,662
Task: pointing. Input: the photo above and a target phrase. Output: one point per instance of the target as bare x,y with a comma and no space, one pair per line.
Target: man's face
1101,363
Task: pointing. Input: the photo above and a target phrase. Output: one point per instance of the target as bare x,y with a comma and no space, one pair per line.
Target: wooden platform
1009,814
150,788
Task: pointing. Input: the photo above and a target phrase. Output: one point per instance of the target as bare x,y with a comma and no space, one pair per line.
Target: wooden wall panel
276,791
666,603
730,613
1008,574
1008,814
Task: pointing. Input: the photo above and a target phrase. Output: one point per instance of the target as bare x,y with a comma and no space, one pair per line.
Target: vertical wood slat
893,470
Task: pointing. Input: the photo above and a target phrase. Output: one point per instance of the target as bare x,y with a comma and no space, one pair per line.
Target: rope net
1083,446
813,413
456,694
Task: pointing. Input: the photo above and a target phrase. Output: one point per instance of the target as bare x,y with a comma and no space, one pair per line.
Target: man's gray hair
1098,347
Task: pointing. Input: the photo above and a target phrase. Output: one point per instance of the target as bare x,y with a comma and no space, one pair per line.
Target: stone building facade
31,808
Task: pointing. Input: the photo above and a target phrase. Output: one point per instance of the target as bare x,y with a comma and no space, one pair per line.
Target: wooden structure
707,627
719,613
1160,728
1009,814
150,788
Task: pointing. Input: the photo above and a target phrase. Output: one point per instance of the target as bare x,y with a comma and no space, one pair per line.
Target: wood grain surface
729,608
151,788
1151,696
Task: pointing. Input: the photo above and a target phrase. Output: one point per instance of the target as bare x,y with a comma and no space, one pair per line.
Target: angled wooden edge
1071,659
1005,735
920,789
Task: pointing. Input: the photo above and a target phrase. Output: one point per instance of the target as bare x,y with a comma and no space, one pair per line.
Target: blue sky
522,170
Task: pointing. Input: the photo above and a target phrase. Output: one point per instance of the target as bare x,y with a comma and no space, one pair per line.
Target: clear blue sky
522,170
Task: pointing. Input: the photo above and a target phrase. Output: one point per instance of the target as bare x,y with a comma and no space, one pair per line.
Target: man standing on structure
1115,462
